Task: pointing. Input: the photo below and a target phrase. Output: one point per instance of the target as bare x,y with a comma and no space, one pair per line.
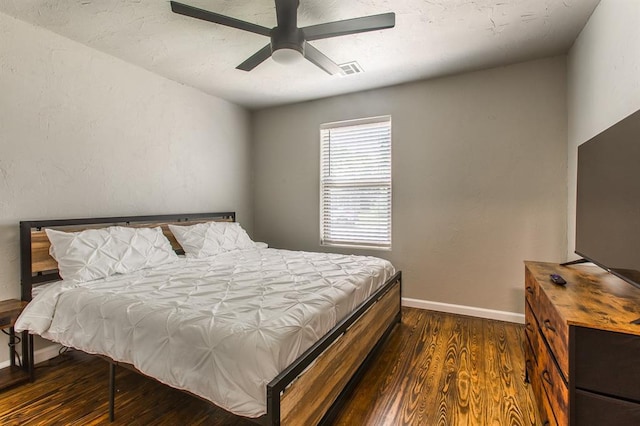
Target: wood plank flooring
435,369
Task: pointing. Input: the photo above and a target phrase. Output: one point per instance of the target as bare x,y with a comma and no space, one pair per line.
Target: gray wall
479,178
604,82
83,134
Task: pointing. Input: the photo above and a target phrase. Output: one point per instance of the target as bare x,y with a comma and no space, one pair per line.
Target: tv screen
608,199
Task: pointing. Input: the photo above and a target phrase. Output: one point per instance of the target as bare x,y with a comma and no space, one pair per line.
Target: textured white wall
84,134
603,82
479,178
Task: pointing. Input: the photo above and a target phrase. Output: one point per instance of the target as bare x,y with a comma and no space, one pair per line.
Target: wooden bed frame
310,390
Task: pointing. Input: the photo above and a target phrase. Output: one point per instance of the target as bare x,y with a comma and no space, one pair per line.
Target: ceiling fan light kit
288,42
286,55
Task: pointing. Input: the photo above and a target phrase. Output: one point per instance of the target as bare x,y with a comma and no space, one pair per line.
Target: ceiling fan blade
350,26
319,59
256,59
205,15
287,13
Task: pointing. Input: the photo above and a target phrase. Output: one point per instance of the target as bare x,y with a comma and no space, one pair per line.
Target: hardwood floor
444,369
435,369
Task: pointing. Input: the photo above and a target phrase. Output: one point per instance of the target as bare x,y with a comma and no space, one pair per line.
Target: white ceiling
431,38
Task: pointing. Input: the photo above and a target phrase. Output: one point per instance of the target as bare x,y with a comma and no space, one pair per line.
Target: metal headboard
37,267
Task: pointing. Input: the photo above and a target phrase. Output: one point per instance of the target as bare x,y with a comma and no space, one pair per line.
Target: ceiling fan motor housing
287,38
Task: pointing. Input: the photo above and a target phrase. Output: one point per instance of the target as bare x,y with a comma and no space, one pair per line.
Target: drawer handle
547,377
529,290
546,423
548,326
529,326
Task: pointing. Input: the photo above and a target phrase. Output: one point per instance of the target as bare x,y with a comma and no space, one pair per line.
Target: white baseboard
40,355
464,310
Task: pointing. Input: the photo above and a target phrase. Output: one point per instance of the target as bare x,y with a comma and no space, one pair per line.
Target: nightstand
14,374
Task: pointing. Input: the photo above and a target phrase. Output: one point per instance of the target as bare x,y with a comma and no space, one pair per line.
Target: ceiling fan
288,42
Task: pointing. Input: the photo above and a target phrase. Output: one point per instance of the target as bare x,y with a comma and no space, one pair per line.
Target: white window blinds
355,183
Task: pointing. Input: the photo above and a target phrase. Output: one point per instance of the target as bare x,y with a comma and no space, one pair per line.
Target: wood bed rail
300,395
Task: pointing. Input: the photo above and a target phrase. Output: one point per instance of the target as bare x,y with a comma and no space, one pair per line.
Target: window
355,183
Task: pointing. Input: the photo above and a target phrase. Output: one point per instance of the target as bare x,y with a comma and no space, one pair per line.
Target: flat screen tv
608,199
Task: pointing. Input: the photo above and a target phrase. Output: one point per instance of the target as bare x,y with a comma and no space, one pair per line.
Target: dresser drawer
542,401
531,289
554,329
531,329
546,373
607,362
597,410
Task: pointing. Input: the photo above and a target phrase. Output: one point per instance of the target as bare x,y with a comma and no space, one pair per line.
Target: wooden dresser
582,349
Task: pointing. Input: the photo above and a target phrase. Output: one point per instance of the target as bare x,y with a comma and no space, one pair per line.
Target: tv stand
582,346
576,262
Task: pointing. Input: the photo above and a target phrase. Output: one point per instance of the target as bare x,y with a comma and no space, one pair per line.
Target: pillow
211,238
191,238
98,253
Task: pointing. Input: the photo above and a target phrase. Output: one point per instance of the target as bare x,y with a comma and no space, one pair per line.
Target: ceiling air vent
351,68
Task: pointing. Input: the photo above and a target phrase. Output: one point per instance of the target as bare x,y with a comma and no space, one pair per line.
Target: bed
331,312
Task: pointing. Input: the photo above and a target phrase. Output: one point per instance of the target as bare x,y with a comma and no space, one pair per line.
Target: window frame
378,245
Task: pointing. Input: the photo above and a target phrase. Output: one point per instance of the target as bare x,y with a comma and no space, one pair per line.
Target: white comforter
221,327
